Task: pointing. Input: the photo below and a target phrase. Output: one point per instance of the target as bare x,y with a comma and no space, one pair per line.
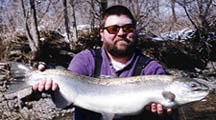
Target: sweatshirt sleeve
154,68
82,63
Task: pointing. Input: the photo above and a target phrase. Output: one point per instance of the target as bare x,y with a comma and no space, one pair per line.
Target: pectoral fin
108,116
168,95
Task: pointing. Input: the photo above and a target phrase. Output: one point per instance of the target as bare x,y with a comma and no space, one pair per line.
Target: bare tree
75,32
33,34
200,13
46,11
173,10
102,5
66,21
27,27
157,6
143,11
34,26
97,8
92,14
204,10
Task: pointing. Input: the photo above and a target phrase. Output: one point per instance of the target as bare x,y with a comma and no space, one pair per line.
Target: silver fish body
121,96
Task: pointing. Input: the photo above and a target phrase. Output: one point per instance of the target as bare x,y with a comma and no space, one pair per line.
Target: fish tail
20,73
18,69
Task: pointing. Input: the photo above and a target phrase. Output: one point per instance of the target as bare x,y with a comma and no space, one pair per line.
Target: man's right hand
45,84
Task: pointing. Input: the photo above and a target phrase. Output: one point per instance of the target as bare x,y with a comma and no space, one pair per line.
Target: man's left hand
154,107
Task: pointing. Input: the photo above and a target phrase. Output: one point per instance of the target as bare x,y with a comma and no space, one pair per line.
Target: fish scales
121,96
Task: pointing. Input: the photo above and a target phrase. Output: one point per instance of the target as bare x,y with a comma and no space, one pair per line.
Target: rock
25,113
24,93
2,77
1,97
16,53
2,65
211,66
11,96
197,69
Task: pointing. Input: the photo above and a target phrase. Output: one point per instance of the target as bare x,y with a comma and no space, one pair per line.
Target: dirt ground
203,110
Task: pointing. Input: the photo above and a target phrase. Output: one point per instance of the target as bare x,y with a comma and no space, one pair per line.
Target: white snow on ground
180,35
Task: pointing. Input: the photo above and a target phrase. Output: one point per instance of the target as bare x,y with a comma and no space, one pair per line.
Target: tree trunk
188,15
157,8
173,11
28,34
203,13
66,22
92,15
103,6
34,38
35,32
75,32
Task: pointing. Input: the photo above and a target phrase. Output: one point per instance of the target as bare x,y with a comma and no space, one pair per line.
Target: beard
120,49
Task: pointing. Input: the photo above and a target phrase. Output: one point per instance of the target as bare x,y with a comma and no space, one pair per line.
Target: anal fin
59,100
108,116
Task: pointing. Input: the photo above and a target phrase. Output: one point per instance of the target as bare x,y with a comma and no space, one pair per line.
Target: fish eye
194,84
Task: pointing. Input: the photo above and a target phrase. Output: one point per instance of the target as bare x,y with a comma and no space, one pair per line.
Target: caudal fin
19,72
18,69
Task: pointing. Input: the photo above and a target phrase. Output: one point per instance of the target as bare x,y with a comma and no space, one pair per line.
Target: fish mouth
202,94
201,89
192,98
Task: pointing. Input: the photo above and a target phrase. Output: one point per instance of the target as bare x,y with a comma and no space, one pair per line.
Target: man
119,57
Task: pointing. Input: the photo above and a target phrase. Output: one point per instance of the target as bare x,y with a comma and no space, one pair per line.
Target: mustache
120,38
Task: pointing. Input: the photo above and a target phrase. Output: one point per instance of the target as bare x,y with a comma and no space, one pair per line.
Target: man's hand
154,107
45,84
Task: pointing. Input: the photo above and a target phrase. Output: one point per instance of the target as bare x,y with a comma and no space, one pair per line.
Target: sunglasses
114,29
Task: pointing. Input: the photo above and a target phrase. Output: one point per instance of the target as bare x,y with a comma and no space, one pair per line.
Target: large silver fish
116,96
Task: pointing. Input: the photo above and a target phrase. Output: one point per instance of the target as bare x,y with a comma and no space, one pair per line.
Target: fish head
183,91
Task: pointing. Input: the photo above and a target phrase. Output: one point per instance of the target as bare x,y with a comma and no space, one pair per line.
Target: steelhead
112,96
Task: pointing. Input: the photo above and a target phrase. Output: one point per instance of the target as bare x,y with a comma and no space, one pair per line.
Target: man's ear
101,34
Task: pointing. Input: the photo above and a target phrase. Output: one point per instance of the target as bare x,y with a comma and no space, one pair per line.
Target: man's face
118,35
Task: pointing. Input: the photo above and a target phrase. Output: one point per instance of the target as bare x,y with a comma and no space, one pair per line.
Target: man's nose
121,32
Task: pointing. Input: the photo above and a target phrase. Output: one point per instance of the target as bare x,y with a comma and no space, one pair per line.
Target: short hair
116,10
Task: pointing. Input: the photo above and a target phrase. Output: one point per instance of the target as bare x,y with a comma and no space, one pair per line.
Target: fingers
35,87
45,85
154,107
41,67
55,86
169,111
41,86
48,84
148,107
158,108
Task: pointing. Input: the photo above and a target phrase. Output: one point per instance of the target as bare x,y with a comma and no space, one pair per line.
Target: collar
107,60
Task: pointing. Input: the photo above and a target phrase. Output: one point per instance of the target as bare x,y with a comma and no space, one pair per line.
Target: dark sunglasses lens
113,29
128,28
